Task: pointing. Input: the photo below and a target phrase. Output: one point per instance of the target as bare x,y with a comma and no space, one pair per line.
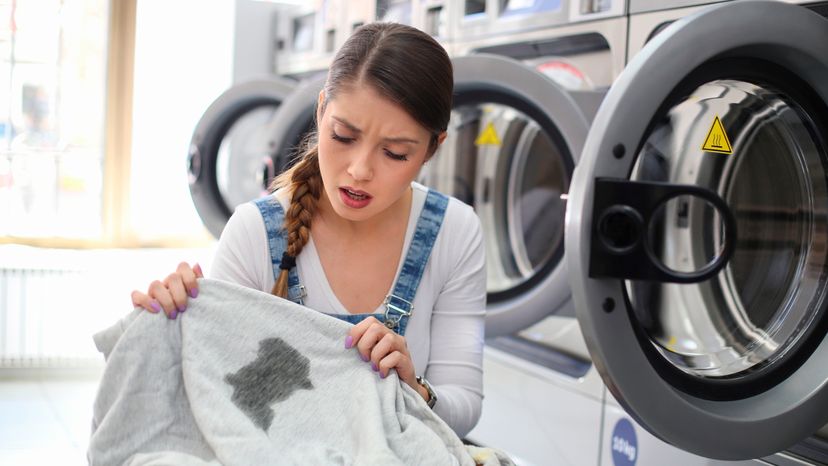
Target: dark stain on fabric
277,372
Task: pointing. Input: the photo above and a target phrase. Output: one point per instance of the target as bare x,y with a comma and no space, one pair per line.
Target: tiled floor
46,418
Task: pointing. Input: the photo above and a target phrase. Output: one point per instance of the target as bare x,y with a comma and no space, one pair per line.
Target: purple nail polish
382,376
181,308
364,357
154,304
349,341
374,366
173,314
194,293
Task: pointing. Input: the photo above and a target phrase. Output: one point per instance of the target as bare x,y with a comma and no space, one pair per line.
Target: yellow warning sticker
716,140
488,137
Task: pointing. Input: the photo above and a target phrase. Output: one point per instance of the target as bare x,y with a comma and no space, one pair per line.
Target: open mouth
355,195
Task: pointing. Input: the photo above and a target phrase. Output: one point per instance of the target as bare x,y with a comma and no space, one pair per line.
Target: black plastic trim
559,46
640,200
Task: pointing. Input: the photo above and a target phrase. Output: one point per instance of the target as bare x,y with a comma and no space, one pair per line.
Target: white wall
183,61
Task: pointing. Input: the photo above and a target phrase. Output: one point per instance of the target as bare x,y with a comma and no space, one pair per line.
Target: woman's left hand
385,350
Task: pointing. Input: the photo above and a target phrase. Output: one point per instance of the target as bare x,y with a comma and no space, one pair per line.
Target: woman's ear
440,138
320,103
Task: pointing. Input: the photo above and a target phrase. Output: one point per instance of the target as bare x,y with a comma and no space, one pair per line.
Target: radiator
39,327
53,300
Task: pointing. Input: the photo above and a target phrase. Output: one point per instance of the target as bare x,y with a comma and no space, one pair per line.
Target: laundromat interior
650,179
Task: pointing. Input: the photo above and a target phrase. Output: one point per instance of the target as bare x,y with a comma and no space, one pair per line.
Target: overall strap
399,304
274,218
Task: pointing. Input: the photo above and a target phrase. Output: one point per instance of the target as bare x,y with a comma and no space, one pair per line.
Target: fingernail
198,271
374,366
349,341
181,308
382,376
364,357
173,314
194,293
154,304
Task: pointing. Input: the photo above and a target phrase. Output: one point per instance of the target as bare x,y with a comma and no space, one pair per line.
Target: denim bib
399,304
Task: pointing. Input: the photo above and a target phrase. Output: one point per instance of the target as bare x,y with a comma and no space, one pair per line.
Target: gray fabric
244,377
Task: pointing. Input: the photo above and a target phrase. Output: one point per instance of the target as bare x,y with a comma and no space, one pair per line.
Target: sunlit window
52,93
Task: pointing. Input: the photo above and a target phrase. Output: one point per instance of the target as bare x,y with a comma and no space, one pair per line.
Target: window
52,105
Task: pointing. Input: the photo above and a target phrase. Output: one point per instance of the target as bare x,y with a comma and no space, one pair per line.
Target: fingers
161,293
170,295
144,301
400,362
358,330
189,276
383,348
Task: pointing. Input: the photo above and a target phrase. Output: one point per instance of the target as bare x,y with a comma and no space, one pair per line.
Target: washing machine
696,236
534,345
306,36
230,156
436,18
233,156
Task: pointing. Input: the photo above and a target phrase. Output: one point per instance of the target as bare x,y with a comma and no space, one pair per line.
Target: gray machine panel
642,6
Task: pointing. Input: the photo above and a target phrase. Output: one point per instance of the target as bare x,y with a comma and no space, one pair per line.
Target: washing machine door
231,158
513,141
697,231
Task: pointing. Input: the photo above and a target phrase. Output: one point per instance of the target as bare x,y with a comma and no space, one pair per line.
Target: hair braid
305,182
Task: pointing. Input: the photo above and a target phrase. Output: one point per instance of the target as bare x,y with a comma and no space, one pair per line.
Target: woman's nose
360,167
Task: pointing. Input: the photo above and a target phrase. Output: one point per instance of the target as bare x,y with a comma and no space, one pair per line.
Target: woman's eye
396,156
341,139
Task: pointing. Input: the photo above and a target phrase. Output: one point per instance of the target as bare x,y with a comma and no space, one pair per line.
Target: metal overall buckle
393,322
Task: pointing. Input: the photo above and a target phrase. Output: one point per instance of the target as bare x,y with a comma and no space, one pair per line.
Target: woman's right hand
171,294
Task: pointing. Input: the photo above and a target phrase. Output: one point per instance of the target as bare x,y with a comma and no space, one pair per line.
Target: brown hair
404,65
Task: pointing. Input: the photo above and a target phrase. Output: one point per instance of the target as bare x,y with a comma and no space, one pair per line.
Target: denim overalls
399,304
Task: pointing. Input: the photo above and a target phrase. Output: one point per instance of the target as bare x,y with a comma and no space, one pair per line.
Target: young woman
348,232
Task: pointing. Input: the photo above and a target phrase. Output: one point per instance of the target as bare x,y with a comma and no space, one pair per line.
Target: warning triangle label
488,137
716,140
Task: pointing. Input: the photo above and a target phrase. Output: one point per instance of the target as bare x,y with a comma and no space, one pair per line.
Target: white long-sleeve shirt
446,330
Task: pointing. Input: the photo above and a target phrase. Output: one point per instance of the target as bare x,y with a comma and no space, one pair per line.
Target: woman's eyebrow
353,128
347,124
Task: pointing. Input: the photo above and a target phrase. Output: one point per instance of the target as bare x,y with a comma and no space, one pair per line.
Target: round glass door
759,309
504,164
244,166
512,145
231,152
696,232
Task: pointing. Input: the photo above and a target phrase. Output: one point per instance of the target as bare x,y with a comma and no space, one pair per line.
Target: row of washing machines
652,180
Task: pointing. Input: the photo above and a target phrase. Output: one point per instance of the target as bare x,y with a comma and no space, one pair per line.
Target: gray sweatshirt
244,378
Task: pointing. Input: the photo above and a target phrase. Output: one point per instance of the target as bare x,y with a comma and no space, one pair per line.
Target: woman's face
370,150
